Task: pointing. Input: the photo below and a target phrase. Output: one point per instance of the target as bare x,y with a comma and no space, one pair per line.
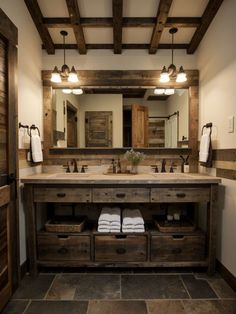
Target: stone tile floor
121,292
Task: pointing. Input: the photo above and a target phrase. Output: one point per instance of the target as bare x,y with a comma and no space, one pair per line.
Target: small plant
134,157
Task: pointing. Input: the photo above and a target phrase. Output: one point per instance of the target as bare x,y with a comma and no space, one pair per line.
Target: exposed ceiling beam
73,10
162,14
124,46
184,22
37,17
208,15
117,11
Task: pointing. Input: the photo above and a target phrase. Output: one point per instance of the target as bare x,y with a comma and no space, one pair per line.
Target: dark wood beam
207,17
73,9
37,17
183,22
117,11
162,14
124,46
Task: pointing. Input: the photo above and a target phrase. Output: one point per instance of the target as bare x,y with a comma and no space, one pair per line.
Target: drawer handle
121,250
62,236
63,250
121,236
178,237
61,194
180,195
120,195
177,251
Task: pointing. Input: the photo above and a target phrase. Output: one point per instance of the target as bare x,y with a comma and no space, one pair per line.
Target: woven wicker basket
66,224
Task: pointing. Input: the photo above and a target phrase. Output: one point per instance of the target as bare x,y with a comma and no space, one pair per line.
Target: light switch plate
231,124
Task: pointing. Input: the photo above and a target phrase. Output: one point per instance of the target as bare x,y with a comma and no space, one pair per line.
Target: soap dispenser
186,165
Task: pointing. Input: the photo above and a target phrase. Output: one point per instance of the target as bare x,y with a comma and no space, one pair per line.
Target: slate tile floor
123,292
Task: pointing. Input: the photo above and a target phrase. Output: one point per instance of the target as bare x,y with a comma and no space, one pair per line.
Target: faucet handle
67,167
155,168
83,168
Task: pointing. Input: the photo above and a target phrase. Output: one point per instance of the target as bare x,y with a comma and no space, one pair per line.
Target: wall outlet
231,124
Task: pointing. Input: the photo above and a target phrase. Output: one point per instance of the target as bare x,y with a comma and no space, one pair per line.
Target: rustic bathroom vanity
93,249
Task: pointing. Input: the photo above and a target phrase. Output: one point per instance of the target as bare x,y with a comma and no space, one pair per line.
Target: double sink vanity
93,249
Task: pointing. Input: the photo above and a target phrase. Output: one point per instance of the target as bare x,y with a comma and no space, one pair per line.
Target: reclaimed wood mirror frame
125,78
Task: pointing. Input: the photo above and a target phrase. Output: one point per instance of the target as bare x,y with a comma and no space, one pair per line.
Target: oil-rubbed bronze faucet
163,165
74,162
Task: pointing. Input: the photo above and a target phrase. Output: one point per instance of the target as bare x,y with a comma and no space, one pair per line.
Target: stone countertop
142,178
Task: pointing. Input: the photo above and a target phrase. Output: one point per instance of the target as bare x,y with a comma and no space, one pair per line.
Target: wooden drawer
62,195
169,195
175,248
120,248
63,247
119,195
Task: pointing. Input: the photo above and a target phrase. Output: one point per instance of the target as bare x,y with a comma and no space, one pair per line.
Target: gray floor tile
33,288
165,307
63,287
57,307
152,287
210,306
15,307
117,307
94,286
222,289
198,288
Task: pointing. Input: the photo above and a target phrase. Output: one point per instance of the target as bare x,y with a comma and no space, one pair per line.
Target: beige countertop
142,178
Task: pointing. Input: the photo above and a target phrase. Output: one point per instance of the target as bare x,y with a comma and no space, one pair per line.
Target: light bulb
181,76
72,77
164,77
55,76
169,91
67,91
159,91
77,91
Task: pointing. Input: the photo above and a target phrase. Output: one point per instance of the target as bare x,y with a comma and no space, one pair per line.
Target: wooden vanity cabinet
149,249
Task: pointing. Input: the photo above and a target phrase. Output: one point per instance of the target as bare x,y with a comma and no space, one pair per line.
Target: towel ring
33,127
207,125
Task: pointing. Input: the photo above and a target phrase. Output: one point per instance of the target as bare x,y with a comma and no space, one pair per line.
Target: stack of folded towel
132,221
109,220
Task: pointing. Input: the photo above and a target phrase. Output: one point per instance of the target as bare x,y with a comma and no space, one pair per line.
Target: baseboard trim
226,275
24,269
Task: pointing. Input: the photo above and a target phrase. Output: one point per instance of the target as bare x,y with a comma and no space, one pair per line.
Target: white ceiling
131,8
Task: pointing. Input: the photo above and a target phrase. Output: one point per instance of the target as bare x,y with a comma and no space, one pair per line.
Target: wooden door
98,128
5,256
139,126
71,126
9,250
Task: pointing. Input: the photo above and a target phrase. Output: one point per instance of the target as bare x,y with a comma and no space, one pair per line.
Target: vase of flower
135,158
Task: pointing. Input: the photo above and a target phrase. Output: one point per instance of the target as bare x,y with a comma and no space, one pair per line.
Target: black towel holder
29,129
207,125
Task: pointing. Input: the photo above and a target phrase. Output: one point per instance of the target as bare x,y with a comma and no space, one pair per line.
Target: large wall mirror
121,117
118,109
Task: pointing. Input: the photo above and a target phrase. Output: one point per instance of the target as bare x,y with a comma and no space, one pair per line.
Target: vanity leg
212,223
30,229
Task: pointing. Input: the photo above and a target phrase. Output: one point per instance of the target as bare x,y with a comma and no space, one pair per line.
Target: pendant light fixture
65,72
171,71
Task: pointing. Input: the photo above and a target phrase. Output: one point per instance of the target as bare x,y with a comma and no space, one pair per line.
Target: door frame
9,32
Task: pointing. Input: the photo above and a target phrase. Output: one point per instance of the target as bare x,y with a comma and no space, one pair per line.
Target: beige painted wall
217,65
102,103
29,88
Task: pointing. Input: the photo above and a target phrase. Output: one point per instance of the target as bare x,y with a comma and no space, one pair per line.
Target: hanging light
172,71
65,72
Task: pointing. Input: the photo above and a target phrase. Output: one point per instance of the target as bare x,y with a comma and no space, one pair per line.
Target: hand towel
103,229
105,215
137,217
115,223
127,230
115,214
204,146
36,148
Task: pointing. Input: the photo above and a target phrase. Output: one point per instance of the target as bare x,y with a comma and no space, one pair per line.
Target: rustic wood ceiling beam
73,9
207,17
37,17
124,46
117,11
183,22
162,14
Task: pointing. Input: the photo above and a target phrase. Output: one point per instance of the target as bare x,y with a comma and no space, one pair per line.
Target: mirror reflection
124,117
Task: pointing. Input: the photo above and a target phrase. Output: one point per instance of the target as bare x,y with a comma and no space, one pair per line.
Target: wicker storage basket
66,224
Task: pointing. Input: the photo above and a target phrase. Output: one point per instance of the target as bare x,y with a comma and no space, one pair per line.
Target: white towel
36,148
105,215
103,229
115,214
127,230
115,223
132,217
204,146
